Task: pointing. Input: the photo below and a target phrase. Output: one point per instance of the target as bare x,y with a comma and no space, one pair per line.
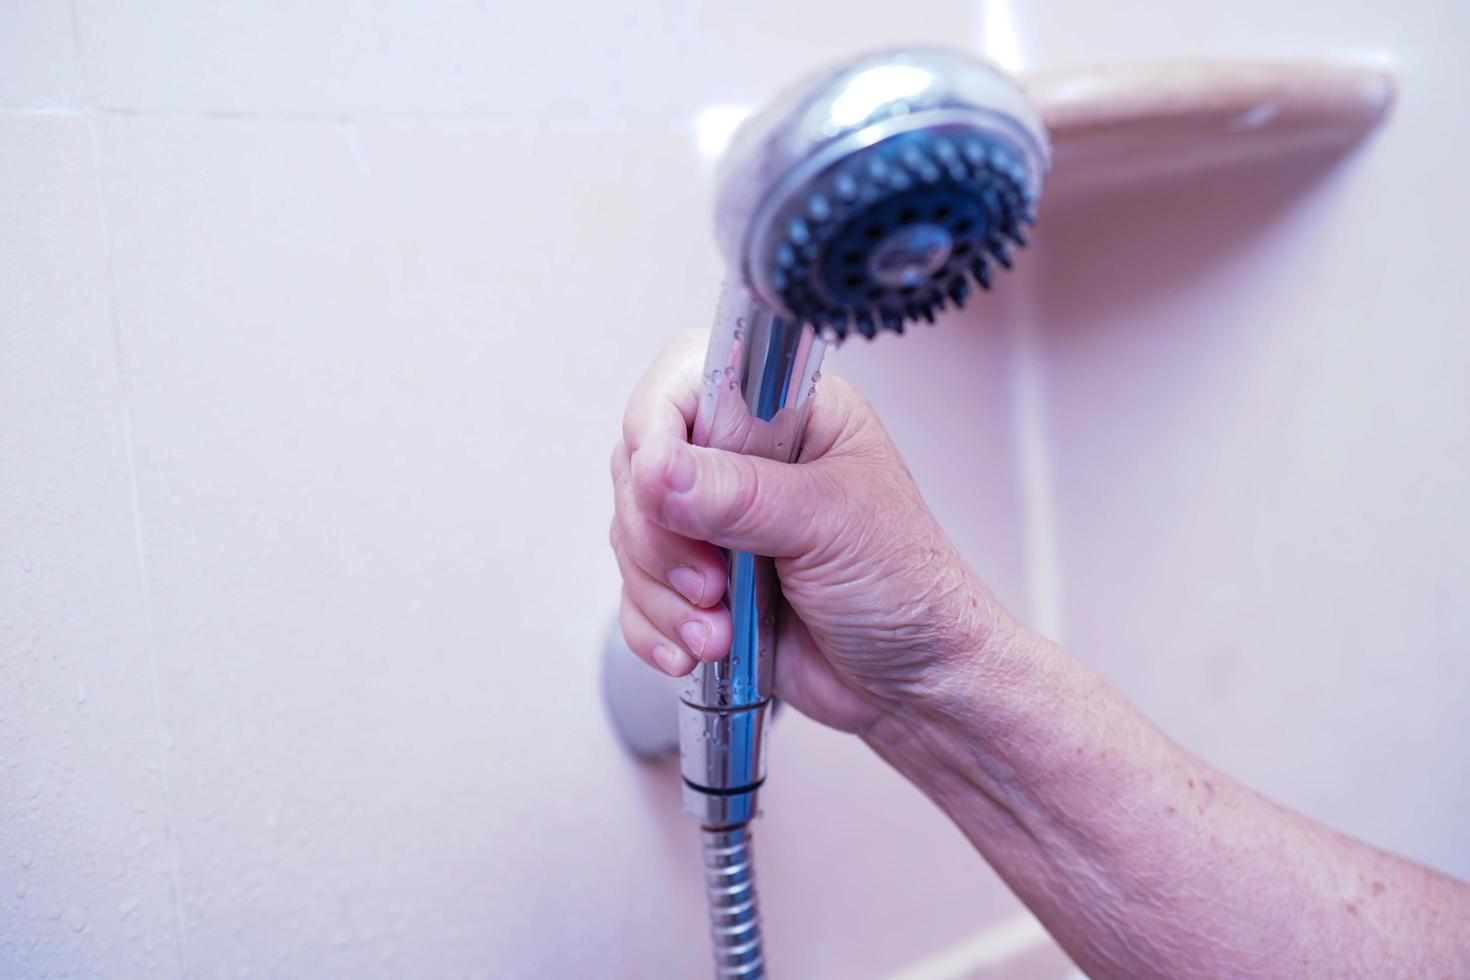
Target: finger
664,402
747,503
703,633
651,646
694,569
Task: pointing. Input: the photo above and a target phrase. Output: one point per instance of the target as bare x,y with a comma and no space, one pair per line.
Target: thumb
745,503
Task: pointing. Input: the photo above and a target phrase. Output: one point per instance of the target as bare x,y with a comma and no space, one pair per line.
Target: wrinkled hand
878,605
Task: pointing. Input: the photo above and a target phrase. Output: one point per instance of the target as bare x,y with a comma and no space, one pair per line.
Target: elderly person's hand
880,607
1140,859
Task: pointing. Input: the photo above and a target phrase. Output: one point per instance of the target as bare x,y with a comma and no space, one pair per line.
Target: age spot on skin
1379,888
1352,909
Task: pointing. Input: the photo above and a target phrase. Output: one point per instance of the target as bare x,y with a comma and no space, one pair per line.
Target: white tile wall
369,531
592,62
39,67
87,869
1259,440
316,324
375,332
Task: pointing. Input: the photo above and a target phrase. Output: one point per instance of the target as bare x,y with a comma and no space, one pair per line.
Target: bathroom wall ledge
1128,124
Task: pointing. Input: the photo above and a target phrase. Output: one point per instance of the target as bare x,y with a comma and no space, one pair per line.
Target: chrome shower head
867,196
876,192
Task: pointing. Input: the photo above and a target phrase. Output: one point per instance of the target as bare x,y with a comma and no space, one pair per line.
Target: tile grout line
1034,472
139,537
489,121
61,111
141,552
998,35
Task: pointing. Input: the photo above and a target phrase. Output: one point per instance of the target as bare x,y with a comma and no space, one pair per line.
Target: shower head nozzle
877,192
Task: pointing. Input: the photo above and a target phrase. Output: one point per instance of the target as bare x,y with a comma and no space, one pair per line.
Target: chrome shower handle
760,374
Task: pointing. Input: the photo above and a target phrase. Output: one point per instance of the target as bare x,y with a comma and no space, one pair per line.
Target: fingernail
689,583
695,635
679,468
675,663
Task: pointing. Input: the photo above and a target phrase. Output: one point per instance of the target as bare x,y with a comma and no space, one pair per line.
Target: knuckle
631,546
690,339
618,464
628,619
628,565
745,493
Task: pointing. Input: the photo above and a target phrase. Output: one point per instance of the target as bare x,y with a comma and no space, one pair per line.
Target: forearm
1142,860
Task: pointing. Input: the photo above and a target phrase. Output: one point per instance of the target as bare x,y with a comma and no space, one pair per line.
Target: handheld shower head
867,196
874,192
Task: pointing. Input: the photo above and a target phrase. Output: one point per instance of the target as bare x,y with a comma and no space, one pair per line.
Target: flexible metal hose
734,916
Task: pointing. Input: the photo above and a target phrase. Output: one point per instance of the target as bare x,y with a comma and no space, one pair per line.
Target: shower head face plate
898,230
878,192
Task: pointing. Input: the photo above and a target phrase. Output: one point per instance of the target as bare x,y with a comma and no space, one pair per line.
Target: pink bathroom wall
317,327
1256,401
316,324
